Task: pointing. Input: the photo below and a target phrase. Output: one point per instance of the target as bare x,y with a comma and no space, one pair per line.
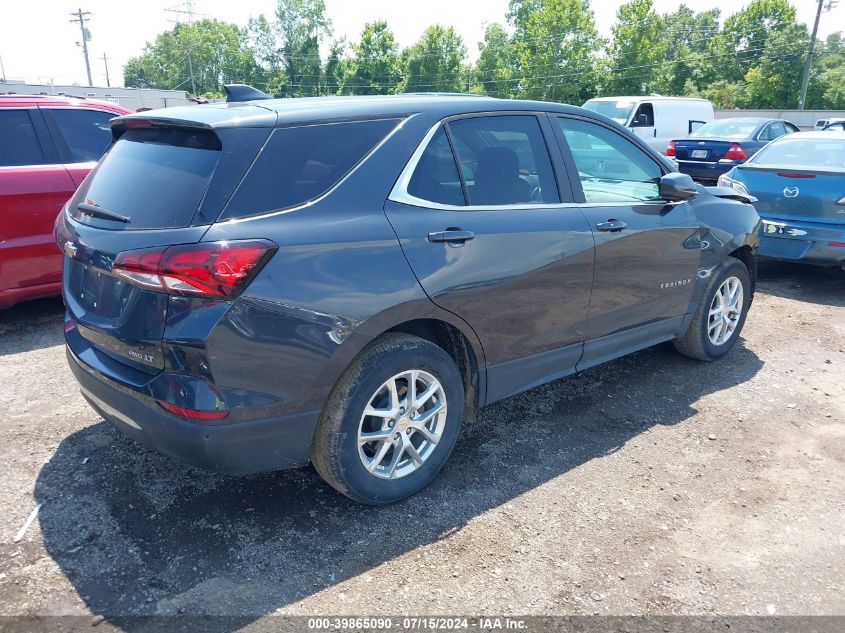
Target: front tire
718,321
391,421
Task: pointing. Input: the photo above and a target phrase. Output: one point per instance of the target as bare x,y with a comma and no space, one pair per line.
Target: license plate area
699,153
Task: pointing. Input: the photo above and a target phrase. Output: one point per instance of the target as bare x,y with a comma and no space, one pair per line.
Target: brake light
670,151
219,270
192,414
735,152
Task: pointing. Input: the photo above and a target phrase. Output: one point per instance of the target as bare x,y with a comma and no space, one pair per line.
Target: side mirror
641,121
676,187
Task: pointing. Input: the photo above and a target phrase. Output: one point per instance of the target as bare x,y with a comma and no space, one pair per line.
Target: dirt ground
651,485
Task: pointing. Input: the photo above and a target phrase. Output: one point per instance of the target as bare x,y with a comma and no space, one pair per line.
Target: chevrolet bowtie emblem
70,249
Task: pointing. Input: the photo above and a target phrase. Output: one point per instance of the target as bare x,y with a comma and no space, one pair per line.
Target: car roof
648,97
749,119
269,112
17,100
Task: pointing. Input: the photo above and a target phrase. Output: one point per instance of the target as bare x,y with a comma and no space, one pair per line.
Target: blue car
716,147
799,182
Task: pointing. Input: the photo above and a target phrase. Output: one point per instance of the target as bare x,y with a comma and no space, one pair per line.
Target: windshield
619,111
726,129
820,154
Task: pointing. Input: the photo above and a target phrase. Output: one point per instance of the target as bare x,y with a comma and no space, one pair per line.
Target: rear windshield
726,129
619,111
805,153
156,177
299,164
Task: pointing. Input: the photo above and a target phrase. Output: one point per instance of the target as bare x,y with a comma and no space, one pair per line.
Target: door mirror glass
675,187
642,120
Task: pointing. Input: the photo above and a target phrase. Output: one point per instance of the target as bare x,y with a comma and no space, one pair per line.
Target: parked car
838,126
719,145
47,147
656,120
823,123
253,285
799,181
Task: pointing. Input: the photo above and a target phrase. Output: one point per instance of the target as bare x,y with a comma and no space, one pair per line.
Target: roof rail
242,92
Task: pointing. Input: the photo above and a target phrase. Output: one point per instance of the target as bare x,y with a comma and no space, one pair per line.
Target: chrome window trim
400,194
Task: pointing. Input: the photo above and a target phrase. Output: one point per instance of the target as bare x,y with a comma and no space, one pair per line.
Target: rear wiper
100,212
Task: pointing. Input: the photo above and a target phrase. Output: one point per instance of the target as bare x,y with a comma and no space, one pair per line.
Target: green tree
686,33
217,52
435,62
638,50
775,80
554,48
301,25
261,39
375,60
496,66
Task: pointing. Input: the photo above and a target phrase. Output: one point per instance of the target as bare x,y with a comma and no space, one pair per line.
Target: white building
132,98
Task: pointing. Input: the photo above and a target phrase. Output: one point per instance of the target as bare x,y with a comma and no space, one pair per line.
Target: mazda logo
791,192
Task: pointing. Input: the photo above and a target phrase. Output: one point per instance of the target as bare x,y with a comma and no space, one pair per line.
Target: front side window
300,164
87,133
504,160
611,168
18,144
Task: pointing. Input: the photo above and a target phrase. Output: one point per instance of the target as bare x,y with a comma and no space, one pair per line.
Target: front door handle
611,225
453,236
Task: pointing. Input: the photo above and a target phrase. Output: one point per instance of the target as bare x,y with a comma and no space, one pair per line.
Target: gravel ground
650,485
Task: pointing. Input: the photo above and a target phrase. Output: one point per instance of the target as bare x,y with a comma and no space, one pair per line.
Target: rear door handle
456,236
611,225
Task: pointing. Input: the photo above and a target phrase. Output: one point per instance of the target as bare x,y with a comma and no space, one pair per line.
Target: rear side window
436,176
86,132
504,160
18,143
157,177
299,164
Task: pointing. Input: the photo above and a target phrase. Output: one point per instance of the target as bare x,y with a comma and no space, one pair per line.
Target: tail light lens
670,151
193,414
735,152
218,270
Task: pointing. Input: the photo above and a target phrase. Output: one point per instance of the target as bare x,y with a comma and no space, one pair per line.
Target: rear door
33,187
81,135
499,243
647,250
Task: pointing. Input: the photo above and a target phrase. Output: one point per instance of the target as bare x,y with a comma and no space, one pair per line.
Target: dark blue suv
253,285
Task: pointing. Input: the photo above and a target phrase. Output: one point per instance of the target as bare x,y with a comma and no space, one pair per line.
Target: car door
647,249
81,135
33,187
499,243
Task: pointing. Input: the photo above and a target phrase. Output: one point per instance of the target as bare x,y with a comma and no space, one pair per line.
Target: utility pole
79,16
106,64
808,65
2,71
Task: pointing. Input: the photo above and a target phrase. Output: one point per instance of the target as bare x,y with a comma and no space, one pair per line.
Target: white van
656,120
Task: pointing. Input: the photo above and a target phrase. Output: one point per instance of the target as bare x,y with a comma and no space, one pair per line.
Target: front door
647,250
499,244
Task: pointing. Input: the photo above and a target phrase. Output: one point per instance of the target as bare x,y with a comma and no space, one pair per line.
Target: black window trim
45,141
572,170
399,192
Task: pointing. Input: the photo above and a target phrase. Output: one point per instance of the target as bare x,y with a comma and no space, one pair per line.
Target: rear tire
718,321
411,437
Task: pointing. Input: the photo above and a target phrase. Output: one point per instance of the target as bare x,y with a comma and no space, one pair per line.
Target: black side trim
619,344
513,376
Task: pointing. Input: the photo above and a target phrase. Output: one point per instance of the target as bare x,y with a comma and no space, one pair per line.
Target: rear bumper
242,447
703,170
802,241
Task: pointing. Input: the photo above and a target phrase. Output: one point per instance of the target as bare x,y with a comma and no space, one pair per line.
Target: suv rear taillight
735,152
219,270
670,151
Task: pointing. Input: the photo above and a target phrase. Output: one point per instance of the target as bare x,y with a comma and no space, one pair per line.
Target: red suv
47,146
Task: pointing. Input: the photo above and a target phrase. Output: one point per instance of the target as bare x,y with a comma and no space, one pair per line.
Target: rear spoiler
731,194
242,92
